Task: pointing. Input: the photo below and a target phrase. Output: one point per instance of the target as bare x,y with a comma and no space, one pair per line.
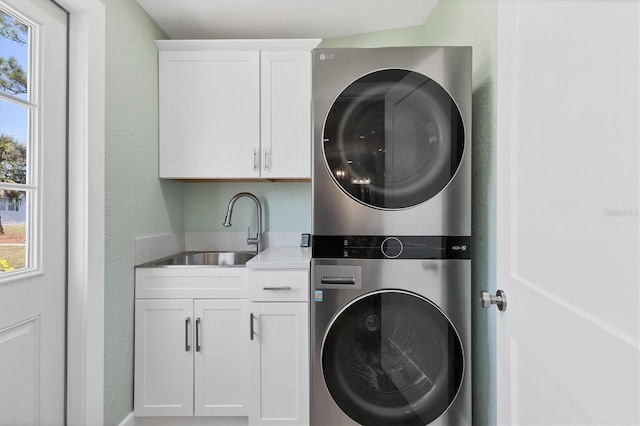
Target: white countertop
282,258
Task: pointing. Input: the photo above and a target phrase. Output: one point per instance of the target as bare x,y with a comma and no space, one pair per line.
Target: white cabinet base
279,363
222,342
205,357
163,360
191,357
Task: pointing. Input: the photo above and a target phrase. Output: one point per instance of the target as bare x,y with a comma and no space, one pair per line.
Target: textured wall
409,36
286,206
137,203
467,23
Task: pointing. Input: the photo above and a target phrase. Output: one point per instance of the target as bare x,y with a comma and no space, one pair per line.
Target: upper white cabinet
285,94
236,109
209,114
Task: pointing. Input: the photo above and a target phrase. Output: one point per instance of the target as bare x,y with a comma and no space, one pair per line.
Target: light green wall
137,203
286,205
467,23
409,36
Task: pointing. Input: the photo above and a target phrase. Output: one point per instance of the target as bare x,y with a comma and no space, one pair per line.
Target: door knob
500,300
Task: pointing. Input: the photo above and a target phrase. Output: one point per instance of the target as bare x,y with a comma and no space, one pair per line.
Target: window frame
34,163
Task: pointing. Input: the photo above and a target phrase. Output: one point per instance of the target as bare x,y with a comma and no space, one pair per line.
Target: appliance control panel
390,247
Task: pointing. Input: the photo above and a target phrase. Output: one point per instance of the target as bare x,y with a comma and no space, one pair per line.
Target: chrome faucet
227,219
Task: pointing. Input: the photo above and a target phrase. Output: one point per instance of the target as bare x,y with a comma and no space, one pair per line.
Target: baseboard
128,421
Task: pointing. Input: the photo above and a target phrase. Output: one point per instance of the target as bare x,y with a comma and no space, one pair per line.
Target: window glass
15,141
14,55
13,230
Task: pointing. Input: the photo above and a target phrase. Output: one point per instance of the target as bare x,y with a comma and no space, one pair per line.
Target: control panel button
391,247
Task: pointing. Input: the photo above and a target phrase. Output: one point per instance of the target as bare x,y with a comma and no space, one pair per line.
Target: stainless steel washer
390,338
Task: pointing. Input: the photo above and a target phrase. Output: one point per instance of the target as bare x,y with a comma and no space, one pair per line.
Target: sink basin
211,258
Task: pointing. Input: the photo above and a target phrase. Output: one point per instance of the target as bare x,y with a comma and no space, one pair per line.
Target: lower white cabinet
279,364
229,357
279,349
191,357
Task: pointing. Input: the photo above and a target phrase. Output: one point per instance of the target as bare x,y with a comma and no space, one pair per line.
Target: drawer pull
338,280
284,287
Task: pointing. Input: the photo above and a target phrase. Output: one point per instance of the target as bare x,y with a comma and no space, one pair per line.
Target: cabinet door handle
266,163
187,347
255,159
251,332
198,334
284,287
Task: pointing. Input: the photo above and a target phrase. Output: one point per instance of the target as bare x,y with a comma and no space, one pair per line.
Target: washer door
392,358
393,139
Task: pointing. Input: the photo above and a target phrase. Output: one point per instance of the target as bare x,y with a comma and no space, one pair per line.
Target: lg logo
324,56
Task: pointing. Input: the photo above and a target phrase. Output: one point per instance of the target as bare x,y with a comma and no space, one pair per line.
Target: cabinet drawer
167,283
278,285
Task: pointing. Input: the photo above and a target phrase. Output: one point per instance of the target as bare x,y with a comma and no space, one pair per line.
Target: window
17,112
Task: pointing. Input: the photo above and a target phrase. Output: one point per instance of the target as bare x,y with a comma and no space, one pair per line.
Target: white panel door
279,355
568,189
221,357
32,267
286,114
164,346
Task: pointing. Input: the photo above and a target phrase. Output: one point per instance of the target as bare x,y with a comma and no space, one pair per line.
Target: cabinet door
221,357
209,114
286,114
280,364
163,358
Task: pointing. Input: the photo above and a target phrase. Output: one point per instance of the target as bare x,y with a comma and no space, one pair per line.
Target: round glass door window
392,358
393,139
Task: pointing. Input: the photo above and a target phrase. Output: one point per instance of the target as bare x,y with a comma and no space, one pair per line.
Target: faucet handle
254,240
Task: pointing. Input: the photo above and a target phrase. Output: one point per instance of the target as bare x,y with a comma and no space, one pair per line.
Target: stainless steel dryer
390,313
392,139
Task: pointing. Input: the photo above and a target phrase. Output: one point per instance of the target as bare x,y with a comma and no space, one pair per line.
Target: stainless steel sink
210,258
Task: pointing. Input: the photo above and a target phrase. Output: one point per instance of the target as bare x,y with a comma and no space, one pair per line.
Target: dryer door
393,139
392,357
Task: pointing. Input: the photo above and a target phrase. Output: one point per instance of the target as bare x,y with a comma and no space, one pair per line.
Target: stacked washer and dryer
391,268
